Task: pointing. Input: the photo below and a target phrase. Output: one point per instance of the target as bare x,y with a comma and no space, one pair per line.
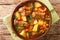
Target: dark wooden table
6,7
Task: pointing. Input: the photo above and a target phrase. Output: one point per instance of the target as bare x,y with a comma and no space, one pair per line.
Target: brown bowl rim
18,8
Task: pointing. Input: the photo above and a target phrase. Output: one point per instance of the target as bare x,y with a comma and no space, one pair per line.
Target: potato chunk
23,33
41,31
24,18
35,22
17,14
33,14
21,9
35,28
37,4
40,22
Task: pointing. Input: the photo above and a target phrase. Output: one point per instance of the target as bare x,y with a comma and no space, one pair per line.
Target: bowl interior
12,19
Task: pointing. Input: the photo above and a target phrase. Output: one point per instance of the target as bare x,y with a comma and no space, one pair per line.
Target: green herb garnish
22,25
31,8
29,32
29,18
16,28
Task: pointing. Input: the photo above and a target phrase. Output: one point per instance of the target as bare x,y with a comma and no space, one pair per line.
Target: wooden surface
7,6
